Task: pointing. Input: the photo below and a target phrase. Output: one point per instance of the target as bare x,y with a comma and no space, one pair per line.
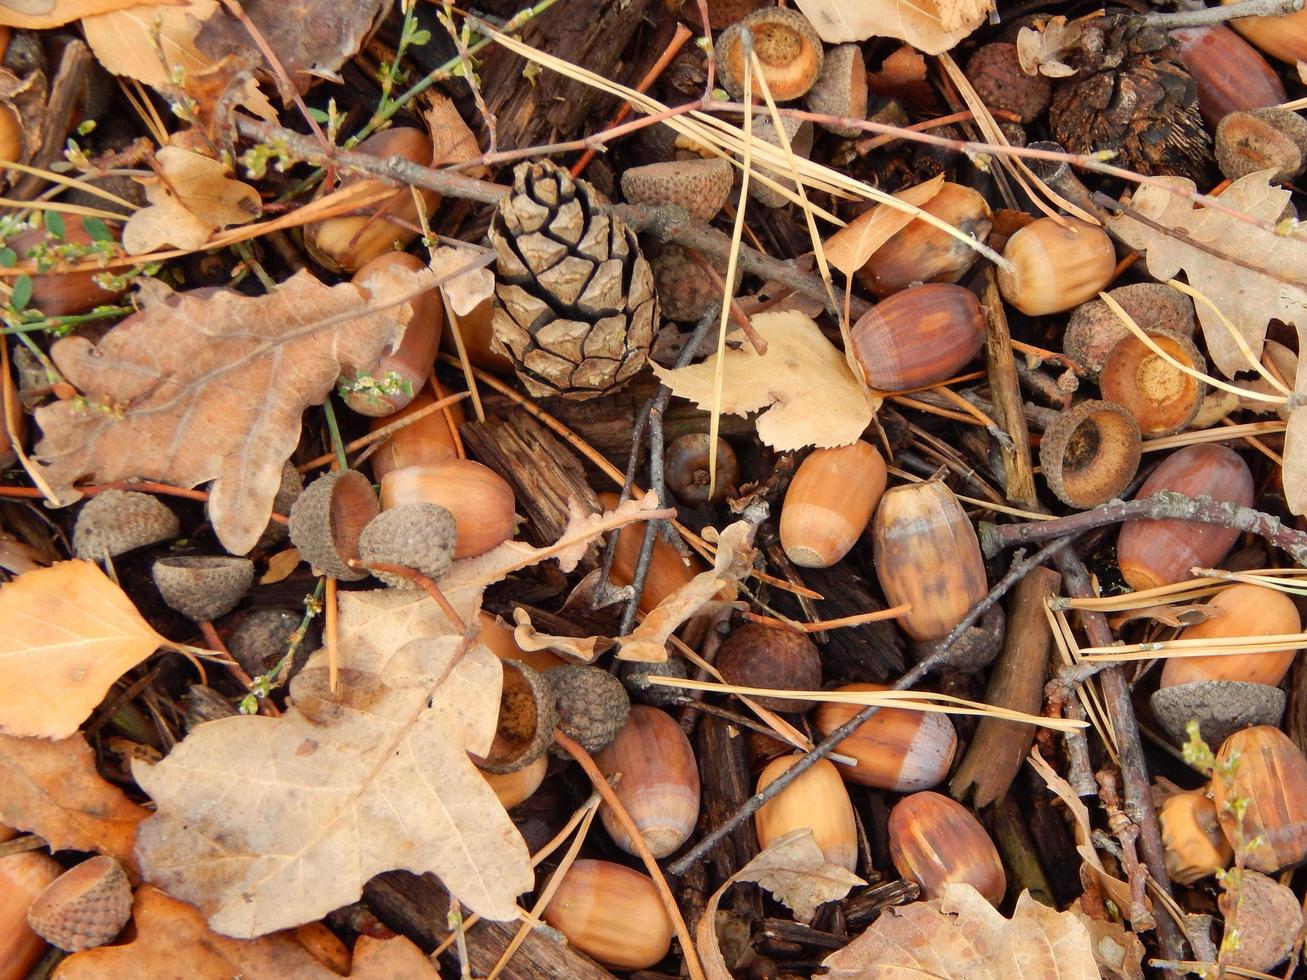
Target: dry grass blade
1089,693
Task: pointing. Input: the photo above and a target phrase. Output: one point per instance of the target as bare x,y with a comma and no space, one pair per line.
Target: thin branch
1204,16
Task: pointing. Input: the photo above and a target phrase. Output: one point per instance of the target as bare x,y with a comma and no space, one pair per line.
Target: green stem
336,442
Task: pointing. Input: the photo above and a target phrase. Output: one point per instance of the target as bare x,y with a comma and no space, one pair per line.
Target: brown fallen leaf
210,385
190,198
849,248
933,26
53,789
962,937
173,941
37,15
803,384
124,40
66,634
1119,952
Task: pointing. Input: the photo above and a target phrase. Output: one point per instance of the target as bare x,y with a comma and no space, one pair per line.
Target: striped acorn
829,503
896,749
918,337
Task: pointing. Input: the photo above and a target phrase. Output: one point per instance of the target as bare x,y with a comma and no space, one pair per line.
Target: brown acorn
512,788
528,717
922,252
1195,846
772,657
667,570
687,473
1162,398
934,840
896,749
1229,72
1090,453
1056,266
427,440
612,914
829,503
1161,552
63,293
23,876
659,785
788,48
85,907
1241,610
816,799
480,499
918,337
1283,37
1268,774
927,556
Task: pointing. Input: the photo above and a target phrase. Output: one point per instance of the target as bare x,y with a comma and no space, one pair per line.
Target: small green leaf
8,258
22,292
97,229
420,38
319,116
54,223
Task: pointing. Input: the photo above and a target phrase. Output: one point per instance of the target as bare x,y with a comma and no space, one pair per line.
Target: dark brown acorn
918,337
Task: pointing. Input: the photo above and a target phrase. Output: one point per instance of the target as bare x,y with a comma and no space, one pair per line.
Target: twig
1005,388
221,652
1217,15
424,582
1163,505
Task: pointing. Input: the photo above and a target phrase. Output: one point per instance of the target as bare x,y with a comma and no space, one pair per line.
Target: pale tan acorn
927,556
1195,846
934,840
1241,610
84,907
667,570
478,333
817,800
427,440
1268,774
659,785
1283,37
512,788
896,749
480,499
1056,264
612,914
830,502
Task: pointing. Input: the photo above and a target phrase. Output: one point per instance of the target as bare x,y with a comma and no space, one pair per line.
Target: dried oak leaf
210,385
190,198
144,42
37,15
810,395
960,936
932,26
66,634
173,941
53,789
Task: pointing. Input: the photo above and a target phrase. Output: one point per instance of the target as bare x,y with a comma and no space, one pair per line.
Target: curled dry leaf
803,382
190,198
933,26
124,40
37,15
465,291
210,385
1039,51
53,789
849,248
172,940
1119,952
961,936
66,634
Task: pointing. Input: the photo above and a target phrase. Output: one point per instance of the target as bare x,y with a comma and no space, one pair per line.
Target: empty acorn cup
203,587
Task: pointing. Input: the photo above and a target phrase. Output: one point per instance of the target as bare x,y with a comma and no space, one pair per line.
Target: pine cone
1131,94
576,309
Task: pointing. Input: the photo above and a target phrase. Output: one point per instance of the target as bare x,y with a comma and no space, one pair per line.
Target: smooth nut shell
611,913
667,571
428,440
660,782
512,788
63,293
919,337
1271,775
1229,72
1283,37
480,499
1090,453
1055,268
1241,610
830,502
23,877
499,639
922,252
757,655
897,749
816,799
934,840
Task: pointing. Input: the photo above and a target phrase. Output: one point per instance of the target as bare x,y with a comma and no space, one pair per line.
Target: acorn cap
420,536
288,490
1262,139
975,649
1090,453
684,288
800,138
264,636
633,676
699,186
788,48
841,89
527,719
592,705
203,587
757,655
84,907
1220,707
118,521
1094,329
327,519
1268,918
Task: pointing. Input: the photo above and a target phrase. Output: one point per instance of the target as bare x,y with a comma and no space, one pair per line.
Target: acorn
841,88
428,440
1162,398
817,800
327,520
527,718
700,186
659,784
721,13
1161,552
84,907
1090,453
403,371
1266,772
203,587
325,947
477,330
995,72
1262,139
686,469
772,657
799,135
1283,37
63,293
1220,708
348,242
921,252
788,48
289,487
1055,268
668,571
611,913
480,499
1094,328
896,749
499,639
1266,917
927,556
264,636
592,705
684,287
934,840
830,502
1229,72
918,337
118,521
1195,846
23,877
419,536
512,788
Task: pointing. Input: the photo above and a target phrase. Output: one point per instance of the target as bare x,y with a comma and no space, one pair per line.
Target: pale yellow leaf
849,248
809,394
280,566
123,40
933,26
66,634
190,198
36,15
